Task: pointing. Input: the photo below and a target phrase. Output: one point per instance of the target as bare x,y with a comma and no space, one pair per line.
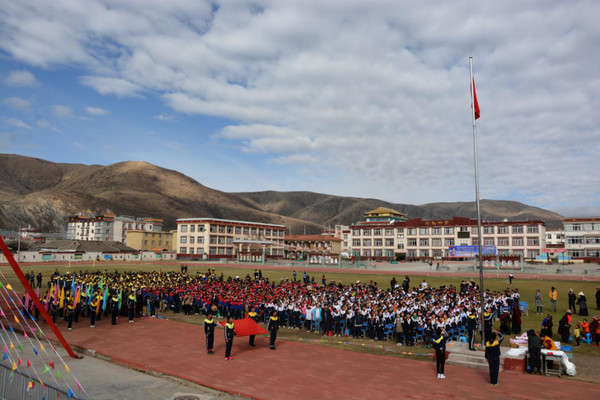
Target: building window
267,232
503,241
448,242
400,246
183,250
183,239
200,239
192,228
475,230
212,250
246,230
192,239
367,253
533,253
221,228
366,242
389,242
191,250
213,240
378,242
356,232
517,241
230,229
389,232
436,231
366,232
356,242
411,231
533,241
423,231
253,231
412,242
488,241
448,231
503,230
411,254
517,229
213,228
183,228
238,230
489,230
424,253
575,240
532,229
437,242
229,240
377,232
221,240
424,242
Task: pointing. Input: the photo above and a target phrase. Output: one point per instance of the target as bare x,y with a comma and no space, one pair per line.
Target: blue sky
331,97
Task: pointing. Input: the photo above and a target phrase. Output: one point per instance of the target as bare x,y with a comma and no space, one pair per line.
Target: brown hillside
42,194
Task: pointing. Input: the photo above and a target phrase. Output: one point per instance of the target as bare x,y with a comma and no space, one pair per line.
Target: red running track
302,371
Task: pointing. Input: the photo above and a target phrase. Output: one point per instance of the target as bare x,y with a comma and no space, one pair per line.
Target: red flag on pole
477,111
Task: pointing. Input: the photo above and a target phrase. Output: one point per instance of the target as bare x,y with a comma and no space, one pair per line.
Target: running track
299,370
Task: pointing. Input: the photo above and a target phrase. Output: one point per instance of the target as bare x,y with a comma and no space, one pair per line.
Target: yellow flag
16,319
62,298
30,385
8,286
67,368
11,346
14,366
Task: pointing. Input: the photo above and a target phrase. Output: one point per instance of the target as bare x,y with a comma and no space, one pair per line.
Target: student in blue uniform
209,332
439,344
229,334
492,354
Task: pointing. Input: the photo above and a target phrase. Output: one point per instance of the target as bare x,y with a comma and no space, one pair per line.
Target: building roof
83,246
311,238
195,220
384,210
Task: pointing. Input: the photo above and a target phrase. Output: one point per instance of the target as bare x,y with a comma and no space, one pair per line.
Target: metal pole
479,231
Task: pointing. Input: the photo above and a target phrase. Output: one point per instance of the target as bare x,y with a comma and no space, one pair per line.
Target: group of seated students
357,310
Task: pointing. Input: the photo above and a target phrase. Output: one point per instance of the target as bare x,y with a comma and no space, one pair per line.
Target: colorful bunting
70,393
67,368
19,361
17,320
5,356
30,385
20,347
46,369
28,363
57,374
35,351
51,364
8,286
14,366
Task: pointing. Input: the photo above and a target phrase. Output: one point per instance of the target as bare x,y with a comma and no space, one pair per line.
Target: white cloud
116,86
17,123
379,93
18,103
164,117
62,111
96,111
21,78
46,125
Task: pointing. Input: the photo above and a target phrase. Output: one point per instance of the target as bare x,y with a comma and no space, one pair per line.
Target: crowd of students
358,309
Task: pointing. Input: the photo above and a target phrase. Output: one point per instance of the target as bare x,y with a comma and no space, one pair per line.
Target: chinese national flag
477,111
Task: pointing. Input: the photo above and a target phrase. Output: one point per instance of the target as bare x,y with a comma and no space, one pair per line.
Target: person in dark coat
572,299
209,332
255,317
582,303
229,335
273,327
534,346
492,355
598,298
547,325
516,319
564,327
439,344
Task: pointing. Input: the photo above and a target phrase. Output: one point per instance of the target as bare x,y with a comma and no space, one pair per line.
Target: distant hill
42,194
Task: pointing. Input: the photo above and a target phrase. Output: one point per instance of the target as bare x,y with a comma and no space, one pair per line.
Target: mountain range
43,194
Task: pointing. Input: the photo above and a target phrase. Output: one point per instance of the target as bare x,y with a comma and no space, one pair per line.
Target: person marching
488,322
254,316
273,327
131,305
70,311
439,344
114,307
229,334
492,355
209,332
93,308
471,327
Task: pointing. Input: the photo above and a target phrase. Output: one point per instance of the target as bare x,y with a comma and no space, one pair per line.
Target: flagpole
479,230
